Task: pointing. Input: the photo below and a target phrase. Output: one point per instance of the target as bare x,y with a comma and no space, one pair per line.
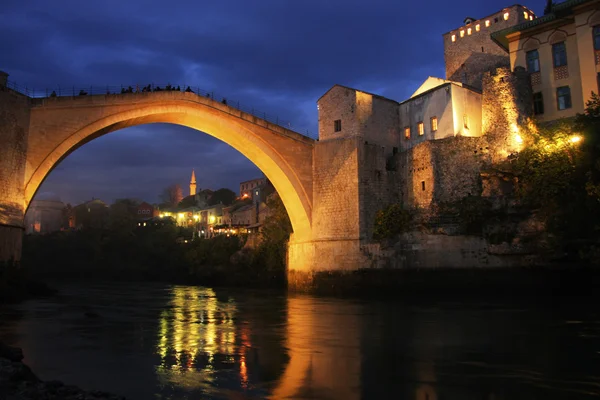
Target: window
525,15
531,17
597,37
496,19
462,33
454,38
423,185
506,15
407,132
421,128
487,23
559,54
533,61
563,97
477,28
337,125
469,31
466,121
434,124
538,103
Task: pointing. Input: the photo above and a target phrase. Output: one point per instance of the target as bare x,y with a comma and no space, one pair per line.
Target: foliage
391,221
269,259
222,196
559,174
187,202
172,195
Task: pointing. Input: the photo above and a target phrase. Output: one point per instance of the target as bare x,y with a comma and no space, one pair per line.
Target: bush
391,221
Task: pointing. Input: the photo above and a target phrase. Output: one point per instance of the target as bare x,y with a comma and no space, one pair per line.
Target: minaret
193,184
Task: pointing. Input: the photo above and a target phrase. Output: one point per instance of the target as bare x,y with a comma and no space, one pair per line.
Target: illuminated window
462,33
407,132
466,121
506,15
454,38
563,97
531,17
421,128
469,31
477,27
434,124
337,125
526,15
487,23
538,103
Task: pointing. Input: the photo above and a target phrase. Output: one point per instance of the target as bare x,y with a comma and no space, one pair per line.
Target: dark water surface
184,342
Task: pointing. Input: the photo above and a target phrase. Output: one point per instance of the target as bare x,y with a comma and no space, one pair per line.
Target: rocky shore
18,382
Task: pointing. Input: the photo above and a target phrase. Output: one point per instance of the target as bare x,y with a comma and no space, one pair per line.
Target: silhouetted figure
157,89
168,87
188,90
224,101
82,92
178,88
53,94
129,89
122,90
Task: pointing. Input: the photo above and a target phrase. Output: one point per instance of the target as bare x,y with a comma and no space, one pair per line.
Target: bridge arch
61,125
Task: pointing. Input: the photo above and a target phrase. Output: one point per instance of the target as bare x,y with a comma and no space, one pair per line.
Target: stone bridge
317,181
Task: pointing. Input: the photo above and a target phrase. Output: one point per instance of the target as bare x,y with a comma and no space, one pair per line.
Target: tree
172,195
223,196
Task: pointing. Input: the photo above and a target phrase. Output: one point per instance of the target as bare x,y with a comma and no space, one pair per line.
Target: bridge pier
14,132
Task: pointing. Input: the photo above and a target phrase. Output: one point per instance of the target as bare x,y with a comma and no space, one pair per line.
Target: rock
17,381
10,353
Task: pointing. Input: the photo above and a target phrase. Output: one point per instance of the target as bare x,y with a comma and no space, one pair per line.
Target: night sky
277,56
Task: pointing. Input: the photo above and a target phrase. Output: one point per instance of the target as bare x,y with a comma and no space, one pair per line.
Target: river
154,341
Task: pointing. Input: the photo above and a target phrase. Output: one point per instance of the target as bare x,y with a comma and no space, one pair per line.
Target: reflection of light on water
196,329
243,372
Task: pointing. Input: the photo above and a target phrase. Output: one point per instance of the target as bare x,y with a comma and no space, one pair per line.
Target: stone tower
193,184
471,50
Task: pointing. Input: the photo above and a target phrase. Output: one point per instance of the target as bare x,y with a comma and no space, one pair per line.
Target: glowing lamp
518,139
575,139
180,215
196,217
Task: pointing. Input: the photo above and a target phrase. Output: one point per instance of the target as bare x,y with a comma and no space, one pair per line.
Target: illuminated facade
561,52
246,187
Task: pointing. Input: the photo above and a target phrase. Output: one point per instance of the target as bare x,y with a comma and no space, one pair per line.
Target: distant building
145,211
246,187
45,214
91,214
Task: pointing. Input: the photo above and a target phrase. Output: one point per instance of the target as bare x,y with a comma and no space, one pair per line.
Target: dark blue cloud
277,56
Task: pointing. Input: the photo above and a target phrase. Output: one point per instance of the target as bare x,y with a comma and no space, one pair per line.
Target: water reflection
188,342
197,339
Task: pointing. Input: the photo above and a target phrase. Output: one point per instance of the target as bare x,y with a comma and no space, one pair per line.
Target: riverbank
17,285
451,283
18,382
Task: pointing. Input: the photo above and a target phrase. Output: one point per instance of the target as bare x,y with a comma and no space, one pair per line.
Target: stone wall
506,105
14,129
335,189
422,250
